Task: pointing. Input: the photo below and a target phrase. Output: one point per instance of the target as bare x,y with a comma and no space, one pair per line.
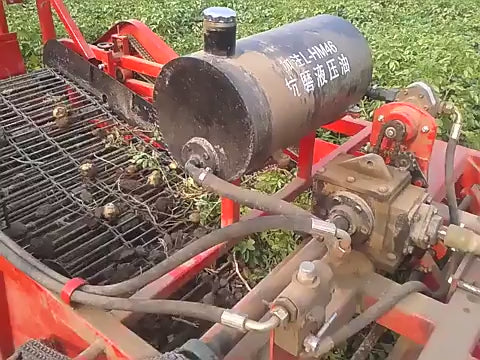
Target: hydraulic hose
382,306
252,199
164,307
231,234
450,169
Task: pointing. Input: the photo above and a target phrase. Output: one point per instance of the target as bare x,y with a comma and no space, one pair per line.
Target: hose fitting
243,323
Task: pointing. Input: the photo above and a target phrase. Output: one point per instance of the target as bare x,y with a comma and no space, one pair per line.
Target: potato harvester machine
101,252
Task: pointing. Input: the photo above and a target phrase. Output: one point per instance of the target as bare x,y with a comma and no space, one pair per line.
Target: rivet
383,189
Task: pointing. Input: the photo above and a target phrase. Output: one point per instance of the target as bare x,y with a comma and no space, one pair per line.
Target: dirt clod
129,184
155,256
283,161
86,196
163,204
127,254
131,170
91,222
140,251
17,230
42,247
194,217
43,210
123,272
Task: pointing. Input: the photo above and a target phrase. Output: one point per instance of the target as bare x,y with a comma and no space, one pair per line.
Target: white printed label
314,68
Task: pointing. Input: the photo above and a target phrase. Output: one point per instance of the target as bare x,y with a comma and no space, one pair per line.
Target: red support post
305,156
230,210
3,20
45,19
72,29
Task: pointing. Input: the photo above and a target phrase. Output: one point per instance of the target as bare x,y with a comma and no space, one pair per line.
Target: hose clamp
70,287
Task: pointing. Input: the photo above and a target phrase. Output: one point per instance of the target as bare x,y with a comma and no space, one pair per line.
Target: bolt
391,256
306,272
383,189
405,92
390,132
381,118
426,107
337,200
425,129
101,66
421,96
350,179
410,249
321,170
364,230
358,208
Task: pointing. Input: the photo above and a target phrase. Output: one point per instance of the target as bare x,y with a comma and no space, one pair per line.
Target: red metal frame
12,62
421,130
119,62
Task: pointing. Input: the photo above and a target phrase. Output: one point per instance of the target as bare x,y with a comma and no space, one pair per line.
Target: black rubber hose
165,307
231,234
450,168
252,199
450,182
380,308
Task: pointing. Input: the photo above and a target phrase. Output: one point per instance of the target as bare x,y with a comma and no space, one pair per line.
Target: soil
219,287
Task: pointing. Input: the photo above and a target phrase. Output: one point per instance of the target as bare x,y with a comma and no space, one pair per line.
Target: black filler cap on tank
219,31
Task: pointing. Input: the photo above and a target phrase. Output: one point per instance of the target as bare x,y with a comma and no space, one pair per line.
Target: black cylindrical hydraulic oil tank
232,113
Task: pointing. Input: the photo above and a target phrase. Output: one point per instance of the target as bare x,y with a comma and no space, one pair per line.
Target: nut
364,230
390,132
337,200
282,314
425,129
381,118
